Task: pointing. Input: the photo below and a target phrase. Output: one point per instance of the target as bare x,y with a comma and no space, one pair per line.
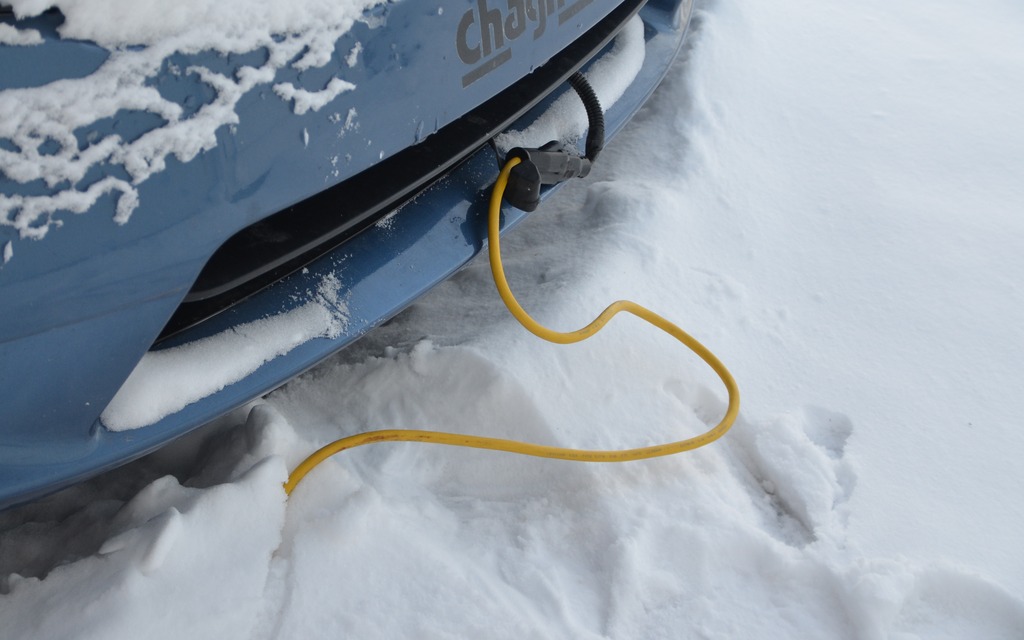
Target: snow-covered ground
830,196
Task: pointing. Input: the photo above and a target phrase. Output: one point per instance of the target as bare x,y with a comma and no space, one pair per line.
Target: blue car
184,229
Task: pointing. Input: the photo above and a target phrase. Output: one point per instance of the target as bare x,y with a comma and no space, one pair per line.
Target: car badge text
484,37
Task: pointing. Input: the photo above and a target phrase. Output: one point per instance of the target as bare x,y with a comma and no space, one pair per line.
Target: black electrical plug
550,164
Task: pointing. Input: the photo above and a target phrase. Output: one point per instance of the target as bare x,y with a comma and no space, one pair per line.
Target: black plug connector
550,164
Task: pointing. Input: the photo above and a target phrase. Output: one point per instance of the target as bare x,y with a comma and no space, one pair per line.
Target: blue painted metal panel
82,306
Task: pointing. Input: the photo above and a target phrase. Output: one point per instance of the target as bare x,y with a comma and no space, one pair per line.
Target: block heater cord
526,448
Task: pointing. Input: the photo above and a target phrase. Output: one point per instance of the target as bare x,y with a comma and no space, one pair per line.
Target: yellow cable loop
526,448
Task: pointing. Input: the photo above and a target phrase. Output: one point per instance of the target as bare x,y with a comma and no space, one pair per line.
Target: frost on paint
38,125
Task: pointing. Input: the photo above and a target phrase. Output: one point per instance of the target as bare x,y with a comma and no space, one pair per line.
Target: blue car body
382,190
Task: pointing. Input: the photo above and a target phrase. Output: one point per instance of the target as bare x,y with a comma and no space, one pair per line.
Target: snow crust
298,34
828,196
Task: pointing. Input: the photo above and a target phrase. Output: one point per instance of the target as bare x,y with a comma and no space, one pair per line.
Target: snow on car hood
40,122
221,25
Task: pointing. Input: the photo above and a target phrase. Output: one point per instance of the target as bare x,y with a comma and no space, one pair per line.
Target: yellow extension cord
526,448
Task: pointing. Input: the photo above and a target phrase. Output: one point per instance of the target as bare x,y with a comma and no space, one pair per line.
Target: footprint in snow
798,460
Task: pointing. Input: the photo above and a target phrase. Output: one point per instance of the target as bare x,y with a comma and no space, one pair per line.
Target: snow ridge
169,380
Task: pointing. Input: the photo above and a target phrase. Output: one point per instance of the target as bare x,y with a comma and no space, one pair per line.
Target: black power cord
553,163
595,115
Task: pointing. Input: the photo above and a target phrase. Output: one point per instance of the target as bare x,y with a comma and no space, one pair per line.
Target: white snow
35,117
10,35
315,100
126,585
224,25
169,380
353,55
350,121
828,195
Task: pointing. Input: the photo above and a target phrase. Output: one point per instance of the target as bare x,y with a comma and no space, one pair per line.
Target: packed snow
168,380
828,195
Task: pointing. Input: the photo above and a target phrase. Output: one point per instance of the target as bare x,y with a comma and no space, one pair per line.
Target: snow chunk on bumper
169,380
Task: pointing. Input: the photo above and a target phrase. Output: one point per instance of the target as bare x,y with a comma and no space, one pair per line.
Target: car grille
284,242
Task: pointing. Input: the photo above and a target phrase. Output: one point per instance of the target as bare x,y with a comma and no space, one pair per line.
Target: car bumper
53,433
